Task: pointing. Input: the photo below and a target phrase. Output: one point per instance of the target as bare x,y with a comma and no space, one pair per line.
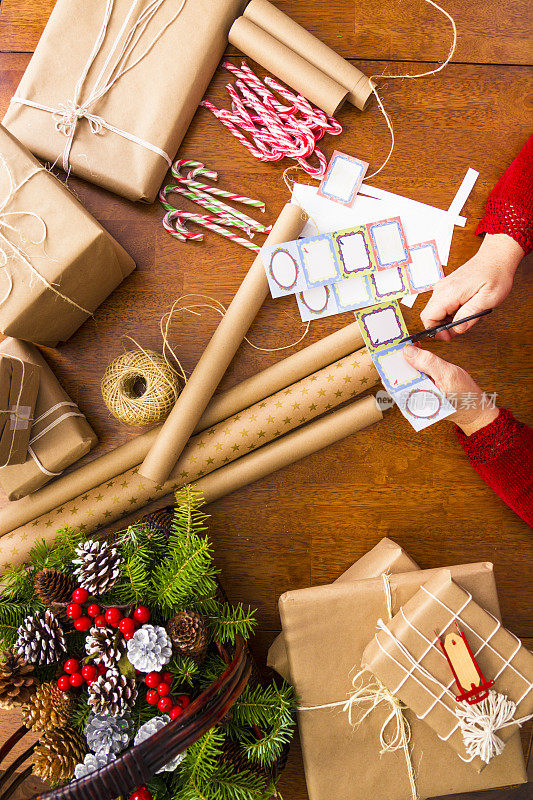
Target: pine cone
105,646
17,680
234,755
47,709
159,521
56,755
41,639
53,586
150,648
189,634
108,735
98,566
112,693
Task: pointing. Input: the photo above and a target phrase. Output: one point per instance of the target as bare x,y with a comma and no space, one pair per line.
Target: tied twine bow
67,115
9,247
375,693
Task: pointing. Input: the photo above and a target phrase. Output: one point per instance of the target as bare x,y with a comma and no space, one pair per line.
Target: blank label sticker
390,246
389,282
382,326
395,370
425,268
354,252
319,260
343,178
353,292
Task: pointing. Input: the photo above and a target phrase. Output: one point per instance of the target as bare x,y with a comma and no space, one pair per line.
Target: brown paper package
386,556
155,100
63,444
77,258
223,405
426,613
19,384
288,32
288,66
327,629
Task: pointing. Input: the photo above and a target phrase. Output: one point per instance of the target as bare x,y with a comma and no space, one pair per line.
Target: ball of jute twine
140,387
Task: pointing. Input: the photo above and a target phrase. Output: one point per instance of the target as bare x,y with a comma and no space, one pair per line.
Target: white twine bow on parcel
67,115
478,723
8,247
374,694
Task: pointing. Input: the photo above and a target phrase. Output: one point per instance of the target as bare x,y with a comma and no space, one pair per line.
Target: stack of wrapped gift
57,435
367,657
58,263
19,384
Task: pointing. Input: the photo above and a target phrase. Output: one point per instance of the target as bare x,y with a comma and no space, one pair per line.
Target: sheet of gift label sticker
350,269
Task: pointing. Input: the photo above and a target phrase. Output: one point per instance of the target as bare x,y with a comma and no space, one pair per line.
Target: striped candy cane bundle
270,128
221,217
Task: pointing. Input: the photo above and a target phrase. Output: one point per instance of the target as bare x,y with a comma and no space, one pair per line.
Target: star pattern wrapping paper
210,450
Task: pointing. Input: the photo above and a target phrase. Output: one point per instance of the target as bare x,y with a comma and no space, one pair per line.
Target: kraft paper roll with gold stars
206,452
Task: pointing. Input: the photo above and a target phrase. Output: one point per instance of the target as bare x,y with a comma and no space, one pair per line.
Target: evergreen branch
232,621
80,713
268,749
183,669
265,706
202,757
225,783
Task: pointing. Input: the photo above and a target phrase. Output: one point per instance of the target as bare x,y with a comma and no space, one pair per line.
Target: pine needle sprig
265,706
203,757
232,621
60,553
184,669
80,713
11,616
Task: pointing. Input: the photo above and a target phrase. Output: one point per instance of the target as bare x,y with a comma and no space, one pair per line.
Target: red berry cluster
83,620
142,793
159,684
75,675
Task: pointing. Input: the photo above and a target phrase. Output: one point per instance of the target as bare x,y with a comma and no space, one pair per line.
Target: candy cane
173,222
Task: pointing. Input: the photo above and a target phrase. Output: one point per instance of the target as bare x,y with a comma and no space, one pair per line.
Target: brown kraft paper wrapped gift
60,262
386,556
327,629
154,100
19,384
434,611
68,435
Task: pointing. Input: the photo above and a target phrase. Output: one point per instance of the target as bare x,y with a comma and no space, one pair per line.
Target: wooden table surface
306,524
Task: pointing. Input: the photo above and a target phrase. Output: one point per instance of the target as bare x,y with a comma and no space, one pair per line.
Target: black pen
429,332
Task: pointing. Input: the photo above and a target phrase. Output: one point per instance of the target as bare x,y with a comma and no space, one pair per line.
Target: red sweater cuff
492,440
506,216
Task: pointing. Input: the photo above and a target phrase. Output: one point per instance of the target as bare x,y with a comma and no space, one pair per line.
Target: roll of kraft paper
105,468
288,32
289,449
216,448
217,356
288,66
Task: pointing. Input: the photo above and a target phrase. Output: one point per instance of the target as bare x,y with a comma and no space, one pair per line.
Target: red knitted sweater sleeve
502,454
510,204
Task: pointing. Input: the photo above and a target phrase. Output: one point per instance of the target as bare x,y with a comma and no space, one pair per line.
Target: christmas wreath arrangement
105,643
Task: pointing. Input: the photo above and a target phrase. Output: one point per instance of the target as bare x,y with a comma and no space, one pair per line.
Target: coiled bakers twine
140,387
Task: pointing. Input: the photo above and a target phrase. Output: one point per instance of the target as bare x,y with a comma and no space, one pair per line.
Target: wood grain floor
304,525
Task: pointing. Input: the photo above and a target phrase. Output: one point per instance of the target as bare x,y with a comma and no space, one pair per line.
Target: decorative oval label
284,269
423,403
316,299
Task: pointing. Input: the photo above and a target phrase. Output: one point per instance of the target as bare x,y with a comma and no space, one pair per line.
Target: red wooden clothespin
473,688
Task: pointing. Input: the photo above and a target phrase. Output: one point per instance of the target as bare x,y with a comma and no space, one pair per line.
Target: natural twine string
374,694
140,386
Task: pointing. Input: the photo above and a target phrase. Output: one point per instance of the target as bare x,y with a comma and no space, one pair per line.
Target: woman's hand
453,381
483,282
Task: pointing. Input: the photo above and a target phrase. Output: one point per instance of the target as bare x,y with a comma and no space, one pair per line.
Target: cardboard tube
217,356
100,470
288,66
288,32
128,492
291,448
